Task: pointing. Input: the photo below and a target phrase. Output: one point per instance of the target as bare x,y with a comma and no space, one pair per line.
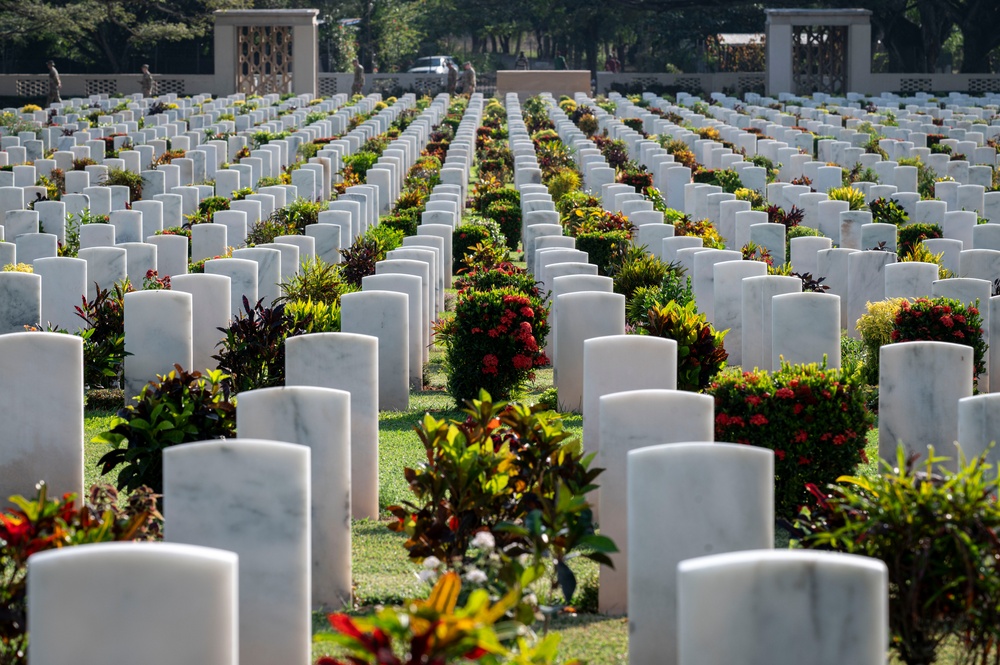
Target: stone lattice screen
264,55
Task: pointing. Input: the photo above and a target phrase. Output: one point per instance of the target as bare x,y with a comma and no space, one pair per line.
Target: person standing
452,77
359,78
560,61
54,84
522,62
146,82
469,80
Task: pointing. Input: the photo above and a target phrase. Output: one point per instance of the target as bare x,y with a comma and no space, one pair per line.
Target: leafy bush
104,336
439,631
511,471
401,221
494,342
913,234
358,260
475,231
490,191
675,287
876,327
562,182
935,530
602,247
638,269
942,320
799,231
888,211
40,524
703,229
700,351
180,407
313,317
500,276
855,197
133,181
812,417
727,179
508,216
265,231
318,281
253,351
573,200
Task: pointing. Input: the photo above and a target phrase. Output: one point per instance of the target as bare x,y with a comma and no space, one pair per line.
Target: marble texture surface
965,289
865,283
20,301
327,240
158,335
33,246
140,258
64,284
987,236
872,235
289,260
236,225
581,316
422,270
851,222
41,368
208,241
348,362
533,231
96,235
920,384
703,277
951,251
105,266
975,263
211,299
545,257
618,363
772,238
319,418
804,252
410,286
435,275
729,276
171,254
128,225
978,427
268,271
958,225
572,283
744,220
670,246
152,216
242,274
805,328
783,607
445,232
758,293
687,500
383,315
910,279
83,606
628,421
250,497
828,218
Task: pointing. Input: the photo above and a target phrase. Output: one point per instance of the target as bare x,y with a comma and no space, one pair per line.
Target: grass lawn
383,575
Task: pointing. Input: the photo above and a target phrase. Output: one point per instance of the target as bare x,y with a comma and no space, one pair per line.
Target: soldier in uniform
146,82
469,80
452,77
359,78
522,62
54,84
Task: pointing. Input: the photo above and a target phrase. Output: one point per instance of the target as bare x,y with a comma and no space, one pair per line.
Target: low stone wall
532,82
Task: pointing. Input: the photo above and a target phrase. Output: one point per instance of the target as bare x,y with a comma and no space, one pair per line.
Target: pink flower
758,419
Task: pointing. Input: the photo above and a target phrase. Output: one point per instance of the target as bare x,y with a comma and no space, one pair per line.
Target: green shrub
317,281
638,269
121,177
675,287
602,247
104,336
181,407
401,221
313,317
562,182
700,351
508,216
942,320
913,234
501,276
494,342
854,197
475,231
529,494
573,200
812,417
935,530
888,211
799,232
252,354
491,191
358,260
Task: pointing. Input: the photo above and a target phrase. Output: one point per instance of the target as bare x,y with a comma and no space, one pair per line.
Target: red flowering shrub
942,320
494,341
813,418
